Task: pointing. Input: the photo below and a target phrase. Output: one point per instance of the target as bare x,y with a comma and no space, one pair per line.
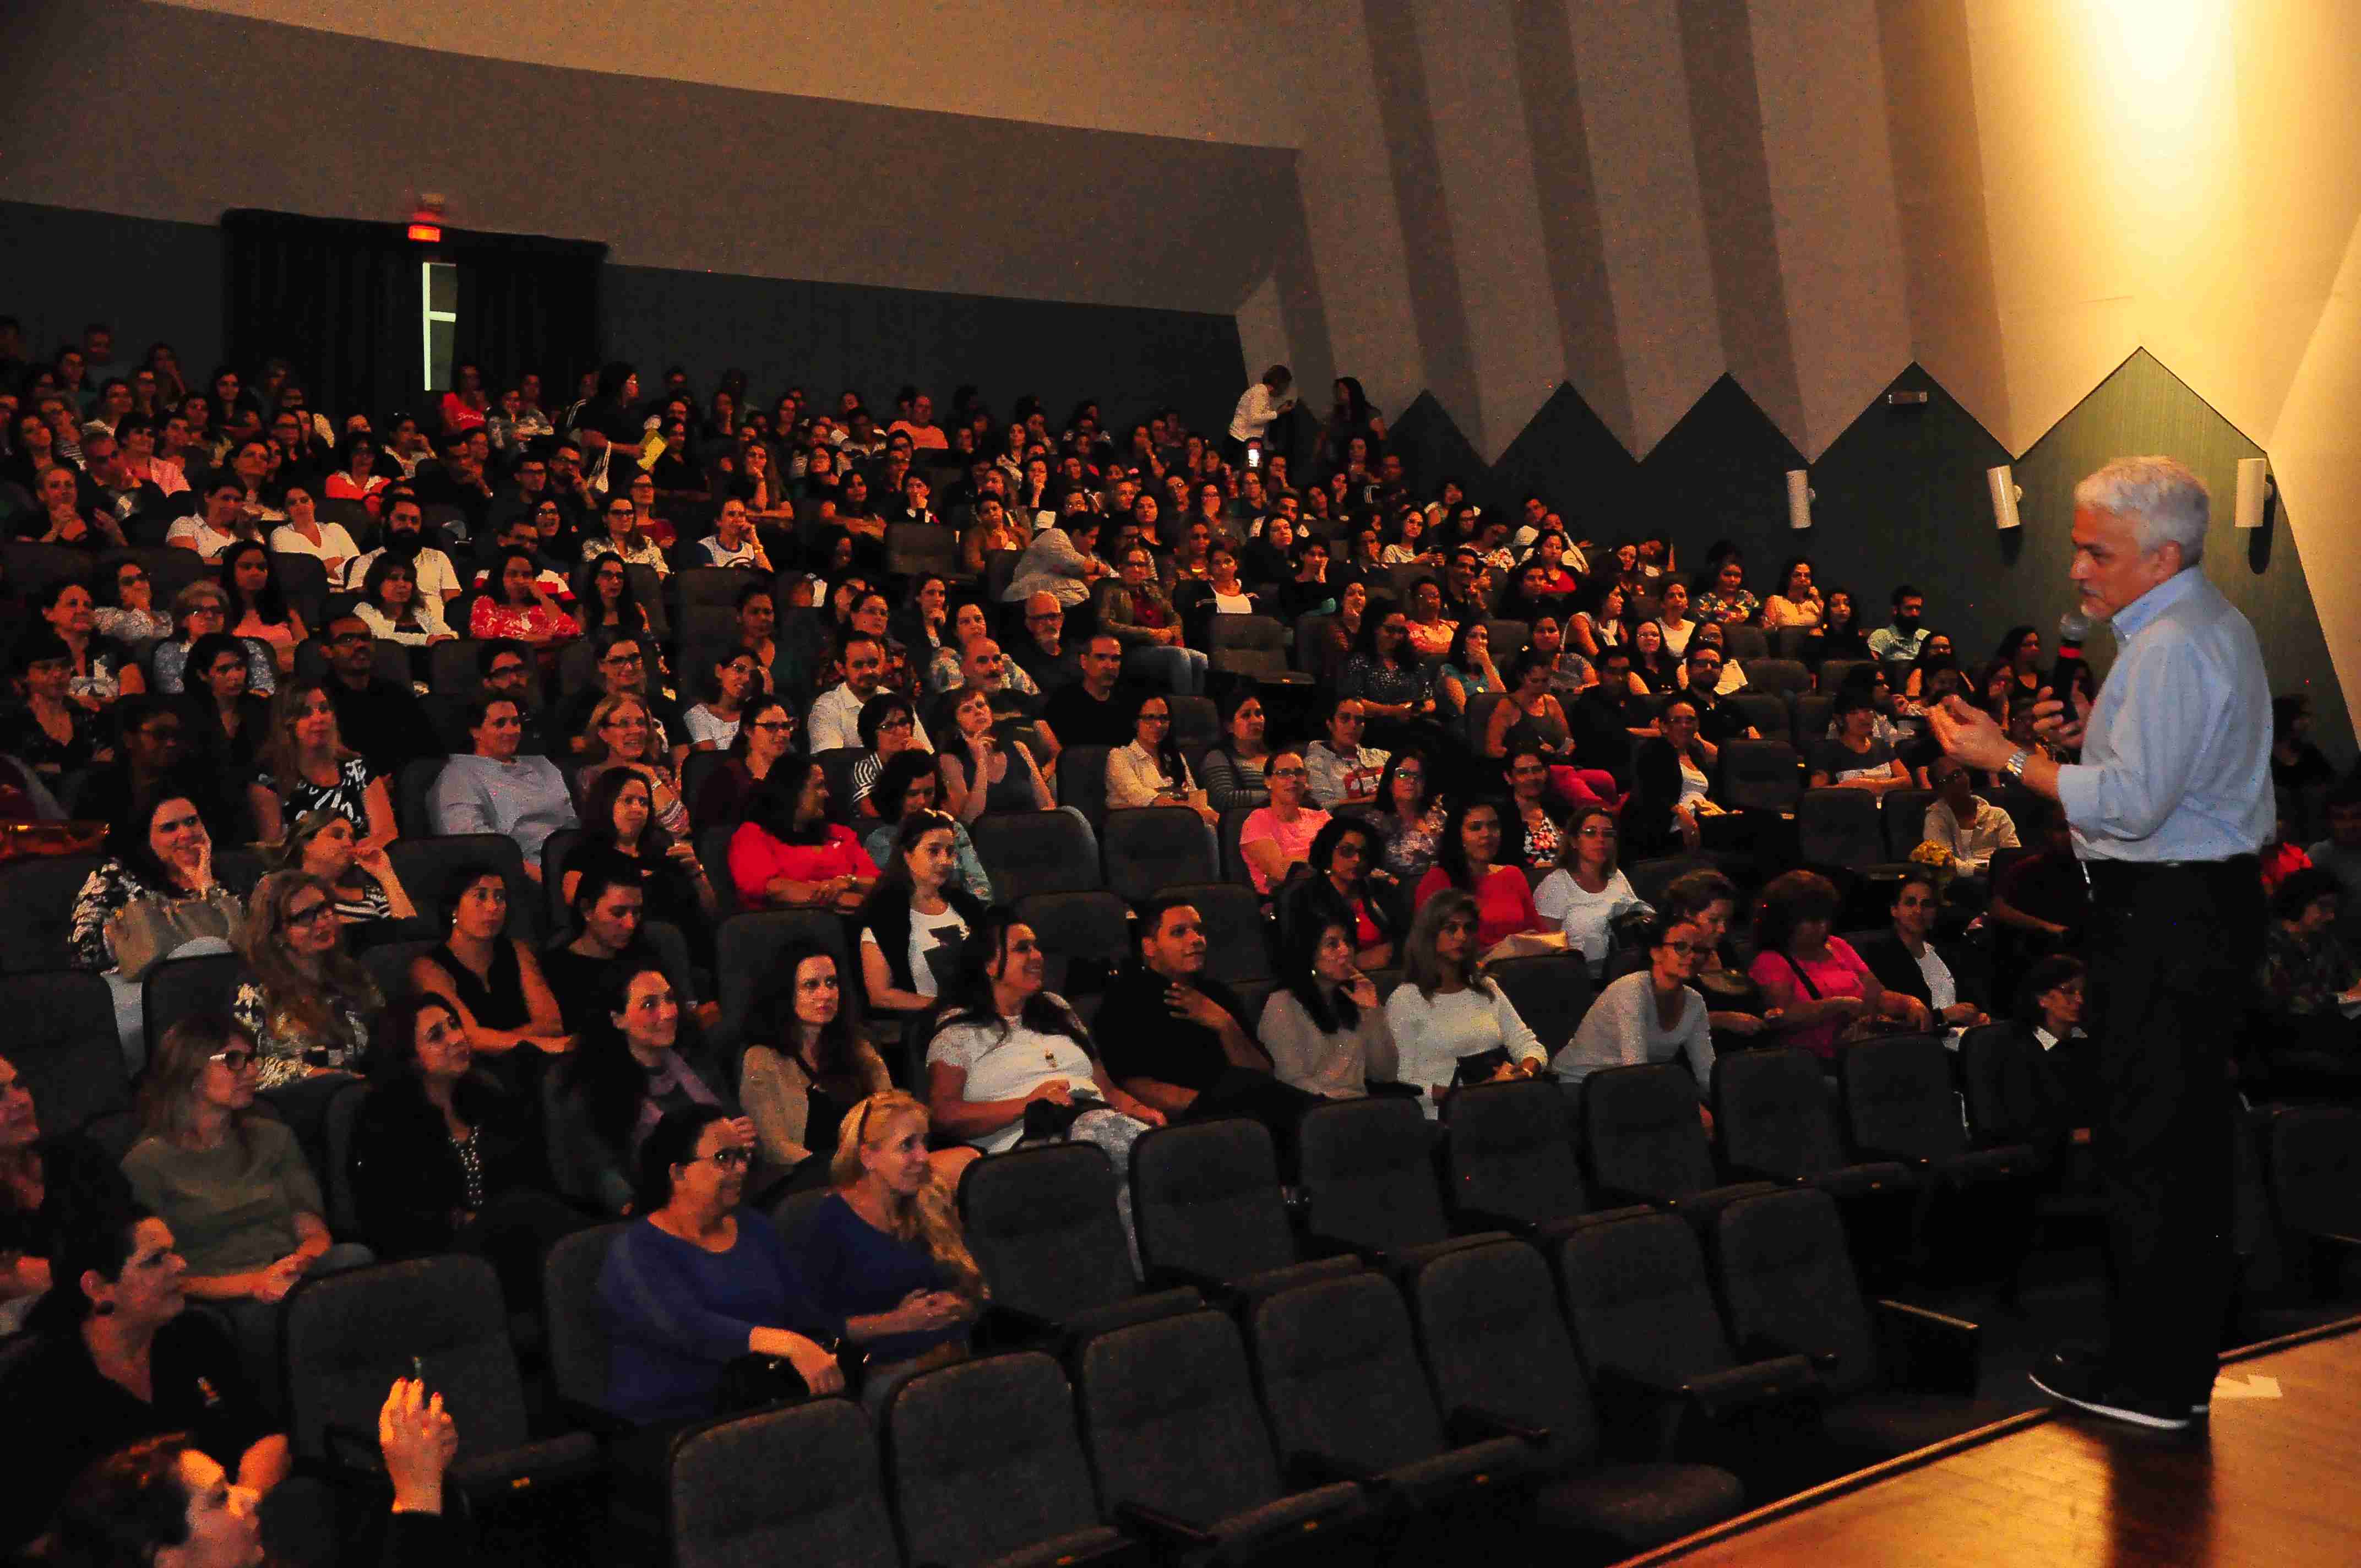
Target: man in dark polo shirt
376,718
1178,1039
1089,713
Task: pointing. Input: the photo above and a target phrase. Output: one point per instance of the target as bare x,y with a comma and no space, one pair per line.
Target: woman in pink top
1275,838
258,609
1818,985
788,855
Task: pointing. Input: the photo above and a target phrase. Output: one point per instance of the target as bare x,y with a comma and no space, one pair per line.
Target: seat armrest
1472,1222
351,1456
1002,1327
1866,1154
1929,1350
1316,1245
1306,1469
1153,1524
1166,1277
1764,1347
1470,1423
1734,1174
595,1419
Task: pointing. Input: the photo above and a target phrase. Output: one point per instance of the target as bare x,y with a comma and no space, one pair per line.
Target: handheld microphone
2067,669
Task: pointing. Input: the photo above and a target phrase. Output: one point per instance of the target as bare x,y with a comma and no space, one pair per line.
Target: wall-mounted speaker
2005,493
1800,495
2255,487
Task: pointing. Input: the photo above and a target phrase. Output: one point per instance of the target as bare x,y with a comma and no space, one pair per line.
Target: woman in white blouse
1672,619
1588,893
1450,1024
1005,1045
1324,1027
1648,1015
1151,771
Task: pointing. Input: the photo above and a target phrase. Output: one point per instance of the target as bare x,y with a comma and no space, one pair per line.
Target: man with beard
1900,643
405,538
376,718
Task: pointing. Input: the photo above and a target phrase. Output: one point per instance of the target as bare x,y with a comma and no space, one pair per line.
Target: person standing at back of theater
2169,806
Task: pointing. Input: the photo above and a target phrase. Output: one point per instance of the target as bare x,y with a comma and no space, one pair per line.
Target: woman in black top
225,725
1841,636
619,819
51,733
443,1159
490,978
120,1358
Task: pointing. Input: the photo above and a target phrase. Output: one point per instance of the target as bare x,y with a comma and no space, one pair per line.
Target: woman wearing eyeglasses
1589,893
702,1279
129,615
241,1201
1151,771
1651,1016
622,537
766,732
632,1069
621,737
304,999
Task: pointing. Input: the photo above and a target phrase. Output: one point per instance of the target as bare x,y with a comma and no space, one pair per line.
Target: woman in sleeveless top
492,980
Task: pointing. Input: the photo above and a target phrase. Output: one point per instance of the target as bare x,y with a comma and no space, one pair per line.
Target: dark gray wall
827,336
61,269
1902,497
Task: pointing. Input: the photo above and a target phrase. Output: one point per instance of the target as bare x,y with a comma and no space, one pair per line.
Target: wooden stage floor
2277,1484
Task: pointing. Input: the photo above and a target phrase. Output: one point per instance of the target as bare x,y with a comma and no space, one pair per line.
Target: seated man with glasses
494,790
1043,652
379,717
1650,1015
835,719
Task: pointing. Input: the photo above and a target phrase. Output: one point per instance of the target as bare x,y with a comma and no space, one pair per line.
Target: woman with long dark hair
914,910
257,606
1471,859
787,854
1323,1026
633,1068
444,1159
810,1063
619,819
1452,1026
1344,890
1151,771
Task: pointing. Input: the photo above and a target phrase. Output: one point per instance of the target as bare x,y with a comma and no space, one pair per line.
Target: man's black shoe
2080,1385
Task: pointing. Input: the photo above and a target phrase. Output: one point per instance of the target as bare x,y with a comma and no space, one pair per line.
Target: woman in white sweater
1588,892
1324,1029
1648,1015
1450,1024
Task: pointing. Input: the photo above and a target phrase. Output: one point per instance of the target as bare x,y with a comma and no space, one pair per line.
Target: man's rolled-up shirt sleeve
2170,704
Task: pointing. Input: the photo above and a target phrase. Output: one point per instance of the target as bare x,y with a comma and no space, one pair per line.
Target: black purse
1047,1122
752,1382
1481,1067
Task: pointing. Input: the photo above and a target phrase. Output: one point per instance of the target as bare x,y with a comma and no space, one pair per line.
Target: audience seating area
1572,1319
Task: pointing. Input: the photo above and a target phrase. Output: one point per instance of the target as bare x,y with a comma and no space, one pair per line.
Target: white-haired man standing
2169,806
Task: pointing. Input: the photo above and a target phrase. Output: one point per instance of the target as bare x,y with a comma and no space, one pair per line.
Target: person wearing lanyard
2169,806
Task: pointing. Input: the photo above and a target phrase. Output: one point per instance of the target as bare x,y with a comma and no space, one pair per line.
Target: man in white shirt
836,713
732,542
405,529
1262,404
1963,822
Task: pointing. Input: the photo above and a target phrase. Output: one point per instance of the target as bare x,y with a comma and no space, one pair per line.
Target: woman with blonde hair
305,766
244,1207
621,734
883,1250
305,1000
324,845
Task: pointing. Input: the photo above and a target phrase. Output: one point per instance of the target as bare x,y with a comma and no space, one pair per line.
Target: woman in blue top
701,1281
884,1252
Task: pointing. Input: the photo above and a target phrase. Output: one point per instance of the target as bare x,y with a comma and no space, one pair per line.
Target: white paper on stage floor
2256,1388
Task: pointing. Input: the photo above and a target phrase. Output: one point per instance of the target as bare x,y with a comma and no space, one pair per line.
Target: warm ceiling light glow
426,234
2156,37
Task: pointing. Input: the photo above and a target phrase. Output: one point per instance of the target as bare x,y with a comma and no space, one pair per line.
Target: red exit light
426,234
